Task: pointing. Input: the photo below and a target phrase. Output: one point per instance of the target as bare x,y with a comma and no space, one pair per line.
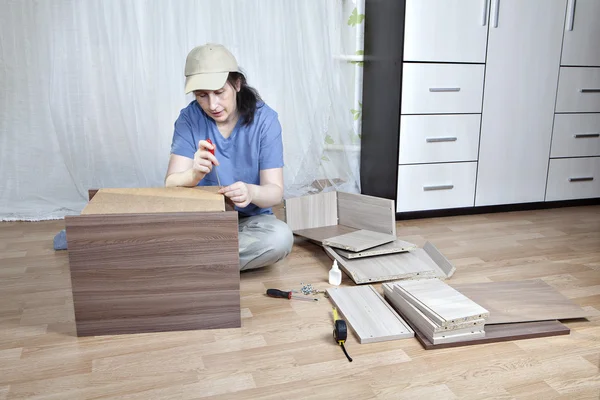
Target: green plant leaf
324,158
356,114
355,18
329,139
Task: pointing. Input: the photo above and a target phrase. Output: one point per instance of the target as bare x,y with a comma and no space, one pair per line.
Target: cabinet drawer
435,186
438,138
442,88
445,30
576,135
578,90
573,178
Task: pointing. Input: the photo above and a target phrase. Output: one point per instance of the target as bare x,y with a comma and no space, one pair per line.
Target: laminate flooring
286,348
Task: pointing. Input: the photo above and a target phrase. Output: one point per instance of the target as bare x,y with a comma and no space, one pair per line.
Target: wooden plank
317,235
154,272
446,268
311,211
366,212
435,333
154,200
368,314
358,240
397,246
440,302
382,268
502,333
521,301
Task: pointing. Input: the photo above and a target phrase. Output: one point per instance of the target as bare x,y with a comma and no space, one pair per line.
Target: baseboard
448,212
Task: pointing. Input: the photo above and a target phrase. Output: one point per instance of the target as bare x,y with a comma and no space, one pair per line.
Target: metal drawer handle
452,89
441,139
582,179
495,12
484,16
571,15
586,135
589,90
438,187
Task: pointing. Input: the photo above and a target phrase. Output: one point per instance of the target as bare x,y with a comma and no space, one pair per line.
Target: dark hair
246,99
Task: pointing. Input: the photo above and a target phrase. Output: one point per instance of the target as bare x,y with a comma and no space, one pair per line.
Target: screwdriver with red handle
212,151
287,295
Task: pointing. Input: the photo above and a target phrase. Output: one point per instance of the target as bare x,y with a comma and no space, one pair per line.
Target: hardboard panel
366,212
521,301
440,302
358,240
426,325
317,235
311,211
154,200
368,314
154,272
382,268
397,246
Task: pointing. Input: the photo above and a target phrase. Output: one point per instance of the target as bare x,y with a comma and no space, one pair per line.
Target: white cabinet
521,78
581,42
446,30
441,88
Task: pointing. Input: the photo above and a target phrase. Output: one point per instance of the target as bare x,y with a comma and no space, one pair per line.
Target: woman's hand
240,193
204,159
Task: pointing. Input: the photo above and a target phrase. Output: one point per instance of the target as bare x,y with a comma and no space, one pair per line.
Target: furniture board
371,318
440,302
397,246
520,301
311,211
359,240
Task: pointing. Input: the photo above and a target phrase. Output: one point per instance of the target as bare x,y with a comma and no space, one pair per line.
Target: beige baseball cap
207,67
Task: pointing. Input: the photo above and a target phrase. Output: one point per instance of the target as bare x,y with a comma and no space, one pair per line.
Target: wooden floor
286,349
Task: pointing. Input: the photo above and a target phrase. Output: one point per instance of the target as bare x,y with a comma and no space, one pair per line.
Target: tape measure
340,332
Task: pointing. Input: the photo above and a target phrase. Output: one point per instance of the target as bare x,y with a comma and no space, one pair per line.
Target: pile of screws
307,289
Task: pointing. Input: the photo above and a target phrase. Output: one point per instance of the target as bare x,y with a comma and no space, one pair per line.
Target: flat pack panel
154,200
311,211
521,301
325,232
426,325
366,212
387,267
359,240
135,273
440,302
368,314
446,268
397,246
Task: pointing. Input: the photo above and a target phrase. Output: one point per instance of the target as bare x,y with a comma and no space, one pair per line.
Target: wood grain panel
521,301
359,240
366,212
502,333
317,235
430,330
154,200
440,302
397,246
368,314
382,268
154,272
311,211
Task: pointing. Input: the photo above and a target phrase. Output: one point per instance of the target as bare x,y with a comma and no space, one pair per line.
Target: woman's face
219,104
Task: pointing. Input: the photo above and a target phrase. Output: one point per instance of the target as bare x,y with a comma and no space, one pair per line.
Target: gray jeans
263,240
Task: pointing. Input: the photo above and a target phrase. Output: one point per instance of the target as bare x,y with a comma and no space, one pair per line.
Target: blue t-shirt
248,150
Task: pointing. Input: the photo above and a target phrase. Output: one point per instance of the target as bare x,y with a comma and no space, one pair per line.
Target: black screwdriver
287,295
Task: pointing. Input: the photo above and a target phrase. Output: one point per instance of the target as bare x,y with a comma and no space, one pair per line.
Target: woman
245,136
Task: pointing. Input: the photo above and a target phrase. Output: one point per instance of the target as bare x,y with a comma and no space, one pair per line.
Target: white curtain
90,90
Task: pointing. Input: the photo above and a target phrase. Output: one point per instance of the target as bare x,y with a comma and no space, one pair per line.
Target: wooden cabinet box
152,260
